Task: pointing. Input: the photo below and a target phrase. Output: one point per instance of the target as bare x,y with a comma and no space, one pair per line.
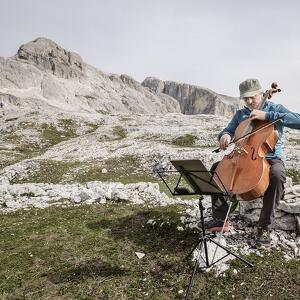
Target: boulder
291,206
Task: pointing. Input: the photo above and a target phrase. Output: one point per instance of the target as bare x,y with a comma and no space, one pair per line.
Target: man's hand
258,114
224,141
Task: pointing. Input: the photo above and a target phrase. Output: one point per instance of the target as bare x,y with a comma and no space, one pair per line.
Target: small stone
102,201
140,255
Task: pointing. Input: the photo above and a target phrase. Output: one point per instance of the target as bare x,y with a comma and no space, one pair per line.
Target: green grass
88,252
50,135
10,158
126,169
21,150
187,140
294,174
120,132
49,171
93,127
53,135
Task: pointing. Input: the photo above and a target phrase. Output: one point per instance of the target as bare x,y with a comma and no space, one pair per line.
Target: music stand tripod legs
202,243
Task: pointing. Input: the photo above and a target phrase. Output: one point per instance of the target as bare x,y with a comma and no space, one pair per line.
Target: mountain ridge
43,75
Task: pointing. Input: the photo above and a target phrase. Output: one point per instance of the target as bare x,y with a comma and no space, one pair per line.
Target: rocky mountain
193,99
44,76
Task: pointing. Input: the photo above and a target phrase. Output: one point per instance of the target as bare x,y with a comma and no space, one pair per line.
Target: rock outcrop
288,211
46,55
193,99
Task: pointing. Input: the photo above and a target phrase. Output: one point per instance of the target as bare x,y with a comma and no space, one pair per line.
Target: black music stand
201,181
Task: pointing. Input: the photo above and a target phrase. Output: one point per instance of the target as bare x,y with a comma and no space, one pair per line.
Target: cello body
245,171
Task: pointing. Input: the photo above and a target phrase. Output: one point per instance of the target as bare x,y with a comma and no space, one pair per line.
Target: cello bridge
238,151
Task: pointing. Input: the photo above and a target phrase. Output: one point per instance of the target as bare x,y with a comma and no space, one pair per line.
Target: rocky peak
193,99
46,55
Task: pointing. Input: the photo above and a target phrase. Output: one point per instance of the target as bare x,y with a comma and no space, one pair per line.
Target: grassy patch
120,132
49,171
88,252
19,151
294,174
126,169
187,140
53,135
25,149
93,127
7,161
29,149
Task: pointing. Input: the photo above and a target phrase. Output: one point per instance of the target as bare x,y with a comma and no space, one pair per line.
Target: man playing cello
252,94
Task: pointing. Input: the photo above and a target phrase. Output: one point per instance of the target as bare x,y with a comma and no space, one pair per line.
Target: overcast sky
209,43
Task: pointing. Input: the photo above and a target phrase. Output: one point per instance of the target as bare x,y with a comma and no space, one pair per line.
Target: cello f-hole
253,151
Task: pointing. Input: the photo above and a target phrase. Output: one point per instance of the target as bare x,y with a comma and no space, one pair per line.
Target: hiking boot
216,225
263,238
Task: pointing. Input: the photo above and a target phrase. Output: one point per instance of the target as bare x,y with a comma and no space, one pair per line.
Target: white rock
287,222
290,207
140,254
108,194
119,195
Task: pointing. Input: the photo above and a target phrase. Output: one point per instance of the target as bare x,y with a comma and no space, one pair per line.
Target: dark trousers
272,196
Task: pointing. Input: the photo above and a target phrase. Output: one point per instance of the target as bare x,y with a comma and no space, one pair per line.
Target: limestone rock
154,84
46,55
292,206
286,222
194,99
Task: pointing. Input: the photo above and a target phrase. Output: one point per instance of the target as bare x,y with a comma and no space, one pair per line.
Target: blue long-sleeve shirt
273,112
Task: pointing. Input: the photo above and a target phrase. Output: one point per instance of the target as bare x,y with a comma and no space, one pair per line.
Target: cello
245,171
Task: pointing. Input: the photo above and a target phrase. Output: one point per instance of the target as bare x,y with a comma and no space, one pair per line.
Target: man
252,94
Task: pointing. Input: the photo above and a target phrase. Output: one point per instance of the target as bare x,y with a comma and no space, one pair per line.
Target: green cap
250,88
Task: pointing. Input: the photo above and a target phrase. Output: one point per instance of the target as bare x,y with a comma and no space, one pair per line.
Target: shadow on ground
163,235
